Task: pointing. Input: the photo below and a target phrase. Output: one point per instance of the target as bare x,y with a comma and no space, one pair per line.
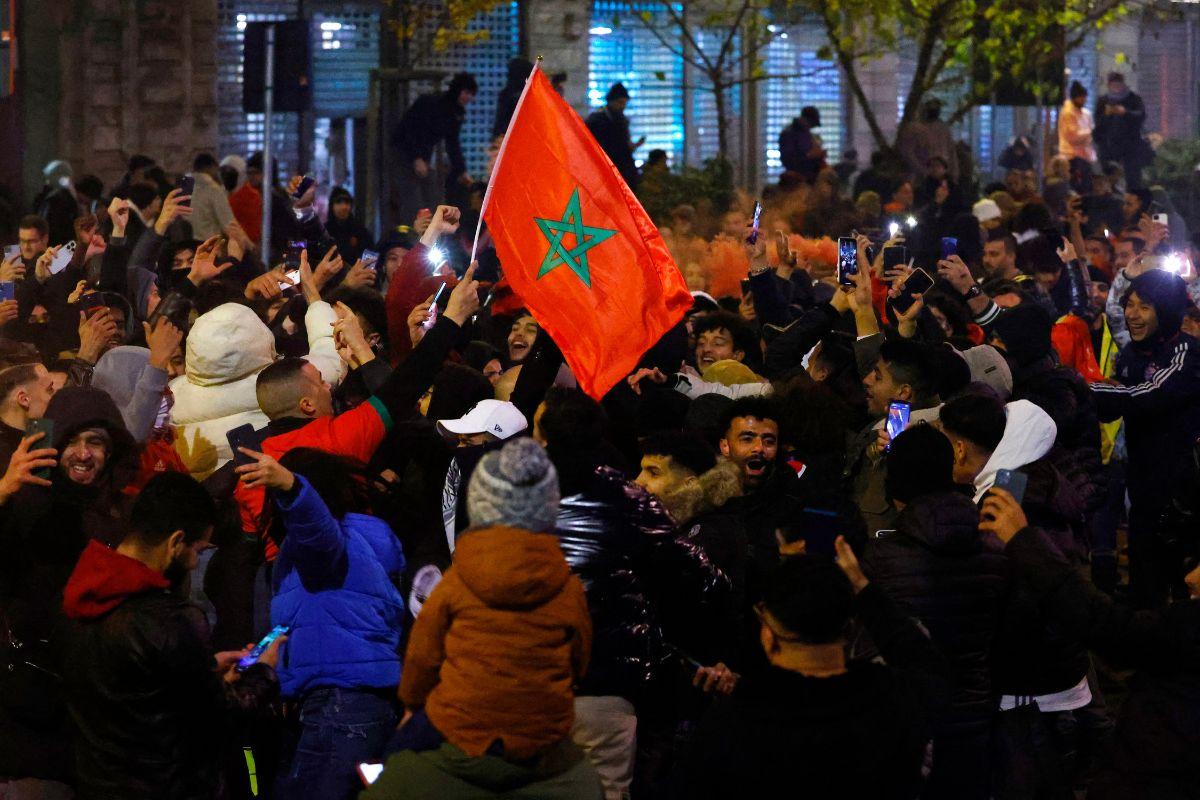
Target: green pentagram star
585,239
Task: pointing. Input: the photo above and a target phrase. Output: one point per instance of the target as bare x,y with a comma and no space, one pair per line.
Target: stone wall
135,76
557,30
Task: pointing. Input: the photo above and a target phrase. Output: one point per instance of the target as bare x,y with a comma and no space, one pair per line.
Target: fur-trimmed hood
709,491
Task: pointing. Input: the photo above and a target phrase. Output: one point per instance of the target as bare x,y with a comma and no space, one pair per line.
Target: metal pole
268,181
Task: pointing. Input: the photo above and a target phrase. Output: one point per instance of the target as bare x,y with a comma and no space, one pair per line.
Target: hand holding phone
369,259
916,284
34,427
434,307
62,259
305,184
898,416
250,659
1013,482
187,185
244,436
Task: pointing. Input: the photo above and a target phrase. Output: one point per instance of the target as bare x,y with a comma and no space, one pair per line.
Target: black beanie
920,461
1025,331
1168,293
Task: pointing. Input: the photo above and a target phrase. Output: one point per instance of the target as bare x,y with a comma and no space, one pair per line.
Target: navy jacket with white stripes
1159,397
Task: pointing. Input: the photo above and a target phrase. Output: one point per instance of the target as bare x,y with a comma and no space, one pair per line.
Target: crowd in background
732,576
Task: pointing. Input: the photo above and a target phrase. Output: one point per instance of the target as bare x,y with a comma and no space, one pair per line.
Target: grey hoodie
134,385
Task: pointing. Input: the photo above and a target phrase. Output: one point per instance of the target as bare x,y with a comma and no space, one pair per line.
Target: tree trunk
722,123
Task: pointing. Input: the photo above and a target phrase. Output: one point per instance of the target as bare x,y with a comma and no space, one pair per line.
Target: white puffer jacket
226,349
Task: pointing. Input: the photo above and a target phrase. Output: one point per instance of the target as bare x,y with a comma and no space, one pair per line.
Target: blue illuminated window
623,50
488,61
816,82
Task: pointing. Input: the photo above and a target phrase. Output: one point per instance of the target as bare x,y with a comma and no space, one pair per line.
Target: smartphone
745,287
1013,482
8,291
250,659
12,251
46,426
187,185
61,261
753,237
369,772
1161,219
949,247
819,528
291,254
894,256
369,259
306,183
917,283
89,304
294,277
433,309
897,417
243,436
847,260
175,308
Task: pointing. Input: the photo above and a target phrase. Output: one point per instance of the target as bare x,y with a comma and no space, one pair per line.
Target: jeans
1104,528
1035,755
338,729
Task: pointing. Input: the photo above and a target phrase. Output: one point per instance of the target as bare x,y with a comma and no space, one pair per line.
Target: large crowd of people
905,506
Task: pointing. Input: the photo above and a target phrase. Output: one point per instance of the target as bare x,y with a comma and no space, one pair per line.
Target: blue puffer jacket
335,587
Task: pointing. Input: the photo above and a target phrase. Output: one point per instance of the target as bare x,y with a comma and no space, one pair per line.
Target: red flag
577,245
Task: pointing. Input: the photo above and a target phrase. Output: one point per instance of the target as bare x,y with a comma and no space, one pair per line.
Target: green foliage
963,48
1174,169
427,27
660,192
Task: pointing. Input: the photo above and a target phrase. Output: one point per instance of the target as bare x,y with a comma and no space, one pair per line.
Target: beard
176,573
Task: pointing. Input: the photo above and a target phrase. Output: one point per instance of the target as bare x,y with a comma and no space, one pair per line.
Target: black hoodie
858,734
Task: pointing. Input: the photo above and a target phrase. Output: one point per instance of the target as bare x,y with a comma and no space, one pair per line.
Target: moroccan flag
576,244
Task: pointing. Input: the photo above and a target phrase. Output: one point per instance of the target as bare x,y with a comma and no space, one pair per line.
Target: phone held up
243,436
898,415
949,247
847,266
187,185
62,259
434,308
753,237
250,659
34,427
306,183
916,284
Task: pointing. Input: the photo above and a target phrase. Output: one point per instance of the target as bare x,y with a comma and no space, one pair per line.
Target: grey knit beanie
515,486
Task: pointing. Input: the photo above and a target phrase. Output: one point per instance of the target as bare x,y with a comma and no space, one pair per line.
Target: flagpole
487,196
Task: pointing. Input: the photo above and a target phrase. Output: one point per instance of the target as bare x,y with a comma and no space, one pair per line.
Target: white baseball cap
497,417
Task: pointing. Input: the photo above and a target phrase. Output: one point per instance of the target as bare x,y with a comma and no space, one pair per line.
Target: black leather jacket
152,718
643,579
